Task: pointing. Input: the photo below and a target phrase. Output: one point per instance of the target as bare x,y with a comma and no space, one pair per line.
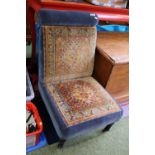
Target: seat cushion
78,105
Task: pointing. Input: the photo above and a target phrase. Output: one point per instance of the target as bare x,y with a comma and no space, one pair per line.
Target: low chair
75,101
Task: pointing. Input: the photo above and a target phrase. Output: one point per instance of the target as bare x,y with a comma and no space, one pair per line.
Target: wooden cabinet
112,63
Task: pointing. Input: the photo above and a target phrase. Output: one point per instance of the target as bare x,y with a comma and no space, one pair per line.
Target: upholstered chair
75,101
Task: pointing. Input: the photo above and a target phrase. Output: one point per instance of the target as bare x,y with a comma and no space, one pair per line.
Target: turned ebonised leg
107,128
61,143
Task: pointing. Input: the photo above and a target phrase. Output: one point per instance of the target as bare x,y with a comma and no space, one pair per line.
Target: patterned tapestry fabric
80,100
68,52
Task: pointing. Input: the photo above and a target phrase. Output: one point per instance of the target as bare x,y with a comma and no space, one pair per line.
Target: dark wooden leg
61,143
107,128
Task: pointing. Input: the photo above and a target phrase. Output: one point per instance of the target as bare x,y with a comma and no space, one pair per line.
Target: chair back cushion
68,51
67,44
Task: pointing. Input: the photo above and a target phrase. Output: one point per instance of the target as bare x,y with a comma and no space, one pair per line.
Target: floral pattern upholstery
68,51
82,99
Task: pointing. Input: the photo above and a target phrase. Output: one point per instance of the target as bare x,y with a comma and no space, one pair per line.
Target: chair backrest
68,41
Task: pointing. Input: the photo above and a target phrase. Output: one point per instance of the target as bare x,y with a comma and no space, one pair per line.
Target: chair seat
78,105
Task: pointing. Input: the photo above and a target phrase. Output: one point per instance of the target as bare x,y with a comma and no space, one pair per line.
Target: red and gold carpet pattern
82,99
68,51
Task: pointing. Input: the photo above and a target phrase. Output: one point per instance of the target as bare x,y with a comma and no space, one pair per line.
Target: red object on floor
33,138
104,13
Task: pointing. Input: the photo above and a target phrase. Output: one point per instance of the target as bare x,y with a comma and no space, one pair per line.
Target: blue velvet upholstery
65,132
69,18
